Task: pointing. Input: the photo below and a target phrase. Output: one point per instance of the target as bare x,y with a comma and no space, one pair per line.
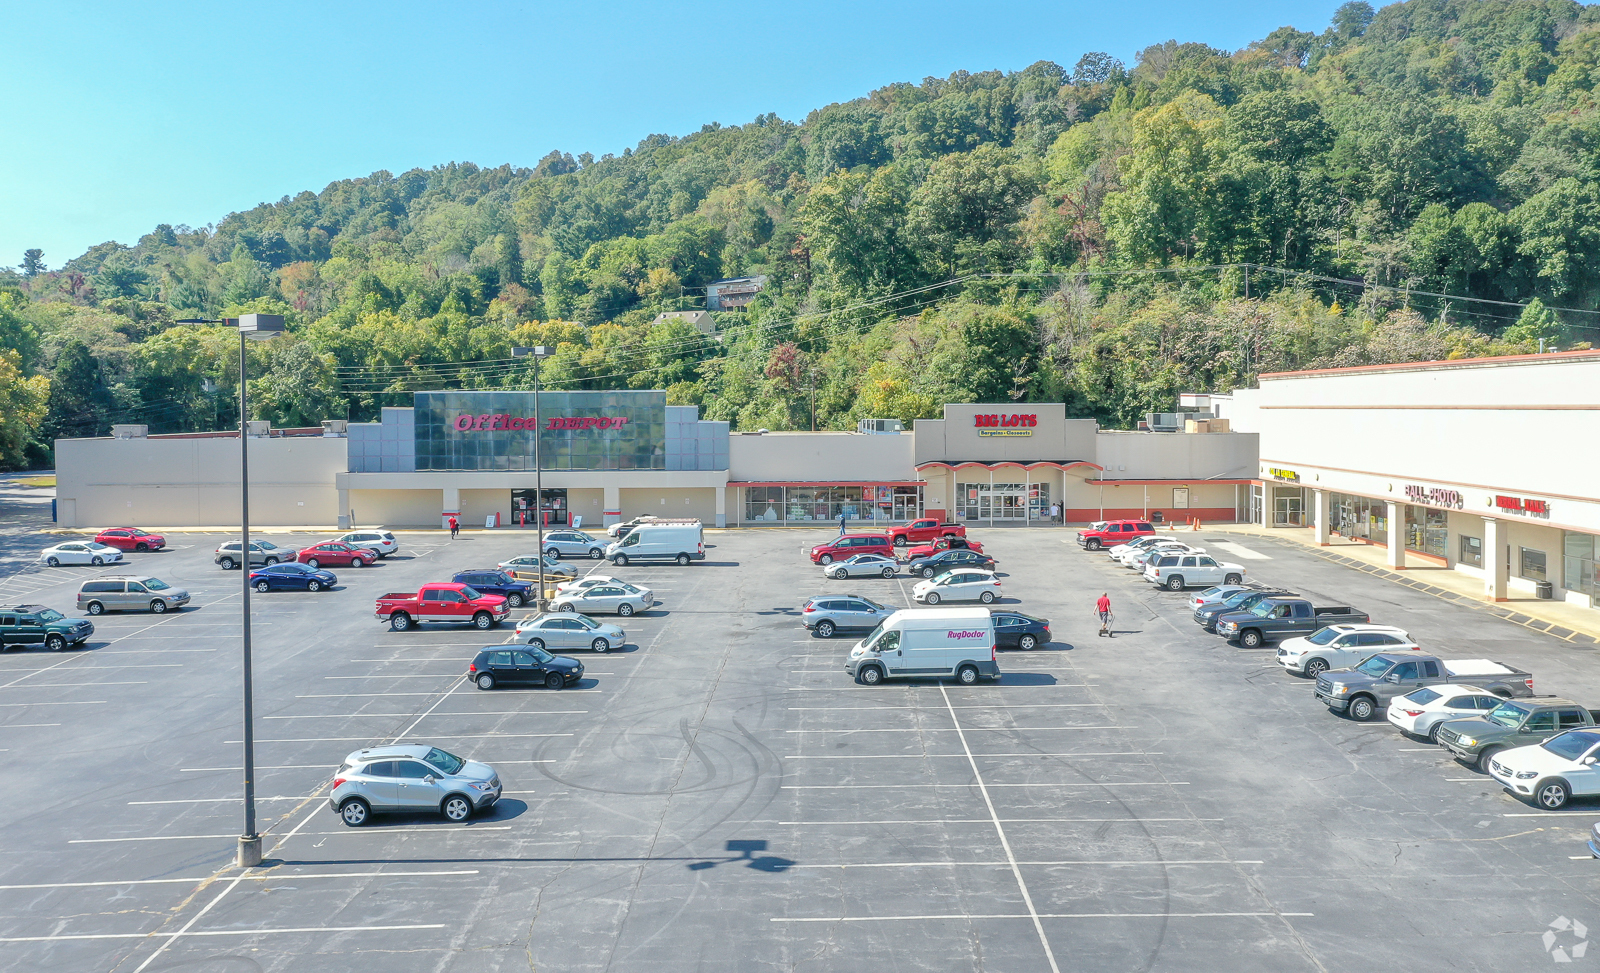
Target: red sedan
333,552
130,539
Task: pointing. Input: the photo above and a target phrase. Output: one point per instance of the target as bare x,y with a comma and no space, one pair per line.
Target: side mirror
1587,761
1391,677
429,779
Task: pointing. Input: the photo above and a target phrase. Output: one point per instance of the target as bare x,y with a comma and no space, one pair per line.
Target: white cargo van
956,642
660,542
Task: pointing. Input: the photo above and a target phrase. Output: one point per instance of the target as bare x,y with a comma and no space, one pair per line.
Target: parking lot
719,795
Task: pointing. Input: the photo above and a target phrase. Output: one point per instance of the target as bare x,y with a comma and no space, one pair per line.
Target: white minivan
936,642
660,542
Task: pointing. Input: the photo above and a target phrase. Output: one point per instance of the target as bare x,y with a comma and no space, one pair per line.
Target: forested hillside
1105,235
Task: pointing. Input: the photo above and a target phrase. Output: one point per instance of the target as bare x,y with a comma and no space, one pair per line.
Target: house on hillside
702,320
729,295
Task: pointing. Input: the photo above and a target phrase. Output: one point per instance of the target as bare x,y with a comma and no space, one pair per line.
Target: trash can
1545,589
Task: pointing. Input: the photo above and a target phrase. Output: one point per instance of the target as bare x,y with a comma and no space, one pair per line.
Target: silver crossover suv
411,778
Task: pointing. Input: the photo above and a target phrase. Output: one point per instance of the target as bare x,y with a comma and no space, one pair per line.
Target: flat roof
1552,358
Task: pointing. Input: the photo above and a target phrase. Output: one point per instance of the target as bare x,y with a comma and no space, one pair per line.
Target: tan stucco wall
670,503
396,508
826,457
195,482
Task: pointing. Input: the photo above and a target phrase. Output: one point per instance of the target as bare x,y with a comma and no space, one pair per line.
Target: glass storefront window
1532,564
1002,501
763,504
1427,530
1288,507
1471,551
1578,565
880,505
1359,517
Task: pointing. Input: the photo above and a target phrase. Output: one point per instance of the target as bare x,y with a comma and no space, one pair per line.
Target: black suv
523,665
32,624
497,582
945,561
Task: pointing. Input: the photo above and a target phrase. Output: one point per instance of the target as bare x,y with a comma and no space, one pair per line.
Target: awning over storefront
824,483
1059,464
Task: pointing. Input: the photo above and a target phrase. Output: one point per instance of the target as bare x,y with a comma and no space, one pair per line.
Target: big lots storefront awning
1058,464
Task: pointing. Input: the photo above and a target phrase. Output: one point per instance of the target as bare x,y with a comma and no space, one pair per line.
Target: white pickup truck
1340,647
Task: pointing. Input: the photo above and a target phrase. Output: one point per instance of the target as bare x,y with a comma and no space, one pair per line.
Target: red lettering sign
509,423
1001,421
1541,507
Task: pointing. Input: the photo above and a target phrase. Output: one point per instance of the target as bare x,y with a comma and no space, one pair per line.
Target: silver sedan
574,543
568,631
609,597
862,566
526,568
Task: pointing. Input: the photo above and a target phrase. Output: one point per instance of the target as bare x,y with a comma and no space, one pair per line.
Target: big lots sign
503,423
1003,421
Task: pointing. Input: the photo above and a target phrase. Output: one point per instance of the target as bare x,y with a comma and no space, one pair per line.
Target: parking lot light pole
260,327
538,353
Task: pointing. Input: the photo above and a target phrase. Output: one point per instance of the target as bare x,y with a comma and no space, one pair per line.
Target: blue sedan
291,577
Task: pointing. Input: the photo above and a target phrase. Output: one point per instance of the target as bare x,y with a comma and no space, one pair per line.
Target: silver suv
411,778
380,542
826,614
129,592
261,553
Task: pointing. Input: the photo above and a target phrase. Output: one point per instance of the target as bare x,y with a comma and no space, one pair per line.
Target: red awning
1064,464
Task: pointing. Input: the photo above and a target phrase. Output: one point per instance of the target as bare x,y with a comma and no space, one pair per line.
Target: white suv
1178,571
380,542
1340,647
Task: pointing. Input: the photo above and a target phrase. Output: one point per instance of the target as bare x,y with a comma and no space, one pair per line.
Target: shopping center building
1479,465
605,456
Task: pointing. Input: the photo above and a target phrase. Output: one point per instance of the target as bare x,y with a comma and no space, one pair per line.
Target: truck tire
1175,583
1488,754
1362,708
870,676
483,620
967,675
900,540
1250,638
1093,544
399,622
1231,579
683,560
514,600
55,643
1316,667
621,559
1552,795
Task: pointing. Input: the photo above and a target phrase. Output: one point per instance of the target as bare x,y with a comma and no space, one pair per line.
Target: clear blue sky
120,116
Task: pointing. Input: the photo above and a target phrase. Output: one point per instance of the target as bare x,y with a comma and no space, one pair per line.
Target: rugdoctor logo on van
966,635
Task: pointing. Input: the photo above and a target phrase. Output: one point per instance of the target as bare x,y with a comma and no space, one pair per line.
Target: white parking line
831,787
962,756
951,729
60,702
939,821
170,936
1006,864
1057,915
76,685
303,834
431,736
270,876
506,712
902,709
15,726
367,695
219,800
402,675
211,770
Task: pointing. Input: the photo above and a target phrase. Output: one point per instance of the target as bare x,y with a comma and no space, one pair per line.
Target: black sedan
292,577
1014,630
497,582
503,665
932,567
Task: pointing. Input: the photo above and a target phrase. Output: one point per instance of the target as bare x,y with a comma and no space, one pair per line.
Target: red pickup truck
944,544
927,529
442,602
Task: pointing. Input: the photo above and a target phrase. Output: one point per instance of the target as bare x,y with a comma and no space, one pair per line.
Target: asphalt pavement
720,796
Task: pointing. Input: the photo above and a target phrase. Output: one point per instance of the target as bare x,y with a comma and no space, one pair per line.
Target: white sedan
1420,713
80,552
589,581
1547,774
1221,592
862,566
962,584
1341,647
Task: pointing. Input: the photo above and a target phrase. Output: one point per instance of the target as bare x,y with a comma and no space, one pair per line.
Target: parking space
718,794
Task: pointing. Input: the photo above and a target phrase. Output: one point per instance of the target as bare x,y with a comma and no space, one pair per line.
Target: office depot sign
502,423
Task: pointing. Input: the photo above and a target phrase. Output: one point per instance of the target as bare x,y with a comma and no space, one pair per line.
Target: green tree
963,218
32,262
79,404
1535,324
22,409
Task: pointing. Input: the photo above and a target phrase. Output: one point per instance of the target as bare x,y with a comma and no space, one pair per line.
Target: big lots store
605,456
1487,466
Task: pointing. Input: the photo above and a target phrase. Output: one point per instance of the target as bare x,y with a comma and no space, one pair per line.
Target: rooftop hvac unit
130,432
1164,421
335,428
878,427
260,428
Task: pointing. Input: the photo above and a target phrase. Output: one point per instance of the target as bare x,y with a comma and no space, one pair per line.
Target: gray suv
826,614
261,553
411,778
128,592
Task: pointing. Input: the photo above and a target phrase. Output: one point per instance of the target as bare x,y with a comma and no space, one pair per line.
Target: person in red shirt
455,525
1103,609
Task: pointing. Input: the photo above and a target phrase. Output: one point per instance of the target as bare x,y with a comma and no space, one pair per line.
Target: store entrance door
555,508
1289,510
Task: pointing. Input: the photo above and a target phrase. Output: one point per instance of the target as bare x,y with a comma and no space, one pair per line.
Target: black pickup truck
1273,619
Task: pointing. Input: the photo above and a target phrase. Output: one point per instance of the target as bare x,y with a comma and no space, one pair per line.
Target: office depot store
1484,465
608,456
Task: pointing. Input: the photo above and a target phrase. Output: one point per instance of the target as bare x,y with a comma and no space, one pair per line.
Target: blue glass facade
621,430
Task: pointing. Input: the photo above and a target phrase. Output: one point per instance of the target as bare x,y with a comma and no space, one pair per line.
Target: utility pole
813,398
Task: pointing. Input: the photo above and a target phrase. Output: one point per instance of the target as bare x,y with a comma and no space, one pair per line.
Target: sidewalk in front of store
1573,623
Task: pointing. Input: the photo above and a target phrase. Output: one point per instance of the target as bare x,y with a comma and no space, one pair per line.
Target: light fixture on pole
538,353
259,327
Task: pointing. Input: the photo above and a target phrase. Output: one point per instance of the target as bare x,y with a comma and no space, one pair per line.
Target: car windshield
1234,601
50,615
1325,636
1375,666
873,638
156,584
447,762
540,655
501,578
1572,744
1210,592
1423,696
630,589
137,532
1508,715
468,591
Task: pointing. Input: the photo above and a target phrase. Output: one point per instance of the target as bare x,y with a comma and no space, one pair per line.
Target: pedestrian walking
455,527
1055,513
1103,609
841,523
